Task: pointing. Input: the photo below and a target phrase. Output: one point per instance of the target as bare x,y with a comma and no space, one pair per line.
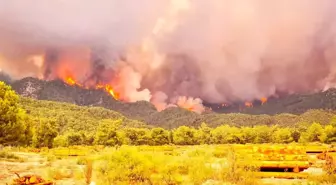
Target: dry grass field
202,164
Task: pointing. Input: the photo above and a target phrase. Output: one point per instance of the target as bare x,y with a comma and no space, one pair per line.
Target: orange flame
70,81
99,86
191,108
110,90
263,100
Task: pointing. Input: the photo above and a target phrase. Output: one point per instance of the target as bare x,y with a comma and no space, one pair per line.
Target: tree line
110,134
36,123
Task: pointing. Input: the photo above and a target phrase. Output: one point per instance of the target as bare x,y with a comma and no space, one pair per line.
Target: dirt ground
33,164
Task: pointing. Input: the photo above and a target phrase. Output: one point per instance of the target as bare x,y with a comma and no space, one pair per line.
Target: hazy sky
216,50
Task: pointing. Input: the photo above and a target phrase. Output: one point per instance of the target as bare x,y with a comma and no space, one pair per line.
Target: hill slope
69,116
170,118
59,91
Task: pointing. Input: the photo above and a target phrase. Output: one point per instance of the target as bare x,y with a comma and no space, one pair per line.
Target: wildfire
99,86
70,81
108,88
190,104
248,104
190,108
263,100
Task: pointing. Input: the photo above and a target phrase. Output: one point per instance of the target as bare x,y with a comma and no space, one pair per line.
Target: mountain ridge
59,91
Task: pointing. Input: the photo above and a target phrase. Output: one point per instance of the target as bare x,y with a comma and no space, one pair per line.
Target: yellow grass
176,164
71,151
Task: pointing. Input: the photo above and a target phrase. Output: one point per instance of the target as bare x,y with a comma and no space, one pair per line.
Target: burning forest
174,52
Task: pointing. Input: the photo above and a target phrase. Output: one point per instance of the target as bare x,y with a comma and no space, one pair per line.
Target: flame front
108,88
263,100
190,104
70,81
248,104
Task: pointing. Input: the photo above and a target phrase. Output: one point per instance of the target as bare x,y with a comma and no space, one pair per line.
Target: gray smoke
219,50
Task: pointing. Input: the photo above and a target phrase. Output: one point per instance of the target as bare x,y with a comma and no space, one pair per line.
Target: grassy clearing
135,165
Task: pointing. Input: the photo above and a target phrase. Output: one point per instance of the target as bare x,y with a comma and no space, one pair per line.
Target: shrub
125,166
10,156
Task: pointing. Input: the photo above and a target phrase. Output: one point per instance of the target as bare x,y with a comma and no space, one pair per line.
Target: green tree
329,134
264,133
296,134
299,129
87,137
44,133
204,134
60,141
235,136
248,135
159,136
12,117
138,136
313,134
74,138
28,131
184,135
219,134
107,133
225,134
282,135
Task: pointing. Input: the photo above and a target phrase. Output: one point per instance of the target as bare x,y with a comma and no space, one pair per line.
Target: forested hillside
84,117
284,111
69,116
26,121
209,128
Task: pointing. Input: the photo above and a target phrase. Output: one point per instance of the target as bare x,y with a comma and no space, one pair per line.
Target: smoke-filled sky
168,50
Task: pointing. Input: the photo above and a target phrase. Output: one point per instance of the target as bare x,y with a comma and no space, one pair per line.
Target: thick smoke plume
172,51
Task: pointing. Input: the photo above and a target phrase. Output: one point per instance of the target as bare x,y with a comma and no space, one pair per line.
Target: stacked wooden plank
317,148
289,158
